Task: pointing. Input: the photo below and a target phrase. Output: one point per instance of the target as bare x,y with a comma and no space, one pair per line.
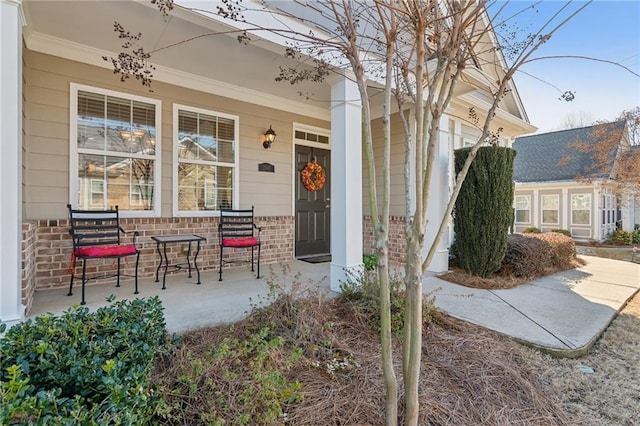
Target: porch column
346,181
11,308
438,199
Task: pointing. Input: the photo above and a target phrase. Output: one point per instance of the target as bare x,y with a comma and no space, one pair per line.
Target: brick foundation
46,248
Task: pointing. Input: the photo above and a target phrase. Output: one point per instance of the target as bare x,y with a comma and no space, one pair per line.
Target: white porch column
438,199
346,181
11,309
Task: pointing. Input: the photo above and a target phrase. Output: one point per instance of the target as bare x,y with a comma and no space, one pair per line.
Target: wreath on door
313,176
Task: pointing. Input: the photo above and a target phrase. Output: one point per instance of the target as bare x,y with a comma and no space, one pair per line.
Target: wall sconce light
269,137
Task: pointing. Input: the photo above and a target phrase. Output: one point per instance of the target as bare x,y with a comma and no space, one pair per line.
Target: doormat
317,259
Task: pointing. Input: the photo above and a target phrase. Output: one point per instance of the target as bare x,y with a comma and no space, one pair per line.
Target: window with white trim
114,154
550,207
206,157
580,209
523,208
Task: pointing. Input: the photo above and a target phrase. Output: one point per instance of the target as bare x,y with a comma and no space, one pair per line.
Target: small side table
163,240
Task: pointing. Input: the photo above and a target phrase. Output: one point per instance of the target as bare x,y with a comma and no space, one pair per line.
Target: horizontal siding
46,144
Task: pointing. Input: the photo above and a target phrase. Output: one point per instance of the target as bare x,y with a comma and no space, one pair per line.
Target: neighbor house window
206,157
581,209
114,151
523,208
550,205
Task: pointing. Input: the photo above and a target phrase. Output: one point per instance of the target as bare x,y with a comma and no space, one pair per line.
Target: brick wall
46,248
397,241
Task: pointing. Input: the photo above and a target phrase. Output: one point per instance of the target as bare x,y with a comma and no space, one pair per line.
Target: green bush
370,261
82,367
635,236
620,238
531,230
562,231
532,254
483,212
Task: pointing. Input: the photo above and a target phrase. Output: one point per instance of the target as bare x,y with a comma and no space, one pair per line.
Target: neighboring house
558,185
72,132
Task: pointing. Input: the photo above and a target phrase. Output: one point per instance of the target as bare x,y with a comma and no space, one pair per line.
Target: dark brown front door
312,207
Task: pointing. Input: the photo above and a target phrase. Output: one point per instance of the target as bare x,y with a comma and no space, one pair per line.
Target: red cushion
106,251
240,242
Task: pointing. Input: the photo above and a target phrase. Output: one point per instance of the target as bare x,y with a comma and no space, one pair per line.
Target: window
205,164
550,209
581,209
114,157
523,208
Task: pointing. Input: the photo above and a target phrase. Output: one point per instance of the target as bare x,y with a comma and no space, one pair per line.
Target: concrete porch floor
186,304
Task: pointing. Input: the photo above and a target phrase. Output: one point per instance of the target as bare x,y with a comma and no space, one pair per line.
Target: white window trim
590,210
73,146
557,209
235,198
515,209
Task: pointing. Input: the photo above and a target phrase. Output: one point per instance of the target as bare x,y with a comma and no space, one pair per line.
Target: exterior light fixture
269,137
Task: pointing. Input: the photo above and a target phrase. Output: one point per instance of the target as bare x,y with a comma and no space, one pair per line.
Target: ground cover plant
83,367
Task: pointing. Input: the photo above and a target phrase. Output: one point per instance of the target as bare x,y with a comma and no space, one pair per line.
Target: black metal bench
96,235
237,229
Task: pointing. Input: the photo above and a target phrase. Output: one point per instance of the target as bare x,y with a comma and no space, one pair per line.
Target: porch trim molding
11,22
49,45
346,181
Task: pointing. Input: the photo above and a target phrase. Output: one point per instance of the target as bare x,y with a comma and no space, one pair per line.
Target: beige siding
398,199
46,144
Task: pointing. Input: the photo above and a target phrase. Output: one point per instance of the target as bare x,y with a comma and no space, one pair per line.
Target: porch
188,305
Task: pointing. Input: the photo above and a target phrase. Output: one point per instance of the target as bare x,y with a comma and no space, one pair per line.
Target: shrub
635,236
620,238
525,256
370,261
530,255
562,231
483,212
82,367
531,230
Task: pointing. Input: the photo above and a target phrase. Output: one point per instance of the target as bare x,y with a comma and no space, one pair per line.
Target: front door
312,207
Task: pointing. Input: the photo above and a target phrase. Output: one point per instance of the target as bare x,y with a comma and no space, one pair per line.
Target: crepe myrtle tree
614,154
414,52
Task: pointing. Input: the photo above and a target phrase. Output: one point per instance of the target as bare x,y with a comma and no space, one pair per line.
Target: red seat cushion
106,251
240,242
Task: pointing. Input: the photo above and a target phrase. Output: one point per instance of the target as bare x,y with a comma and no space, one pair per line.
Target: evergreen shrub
484,209
82,367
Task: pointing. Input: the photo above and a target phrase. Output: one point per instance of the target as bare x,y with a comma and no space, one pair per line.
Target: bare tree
614,152
416,52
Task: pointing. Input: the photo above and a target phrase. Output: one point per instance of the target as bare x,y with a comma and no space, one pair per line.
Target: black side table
163,240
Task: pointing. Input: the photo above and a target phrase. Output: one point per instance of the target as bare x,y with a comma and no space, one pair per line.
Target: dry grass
609,396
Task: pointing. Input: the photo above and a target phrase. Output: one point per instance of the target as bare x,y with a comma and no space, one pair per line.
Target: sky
606,30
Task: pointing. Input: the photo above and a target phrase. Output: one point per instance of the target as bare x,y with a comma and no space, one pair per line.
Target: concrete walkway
563,313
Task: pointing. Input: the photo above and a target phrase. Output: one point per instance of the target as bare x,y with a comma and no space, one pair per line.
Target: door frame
294,174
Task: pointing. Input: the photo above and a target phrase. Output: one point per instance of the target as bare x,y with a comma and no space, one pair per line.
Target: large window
550,205
114,151
523,208
581,209
206,156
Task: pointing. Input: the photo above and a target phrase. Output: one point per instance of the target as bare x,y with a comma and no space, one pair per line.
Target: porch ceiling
220,58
